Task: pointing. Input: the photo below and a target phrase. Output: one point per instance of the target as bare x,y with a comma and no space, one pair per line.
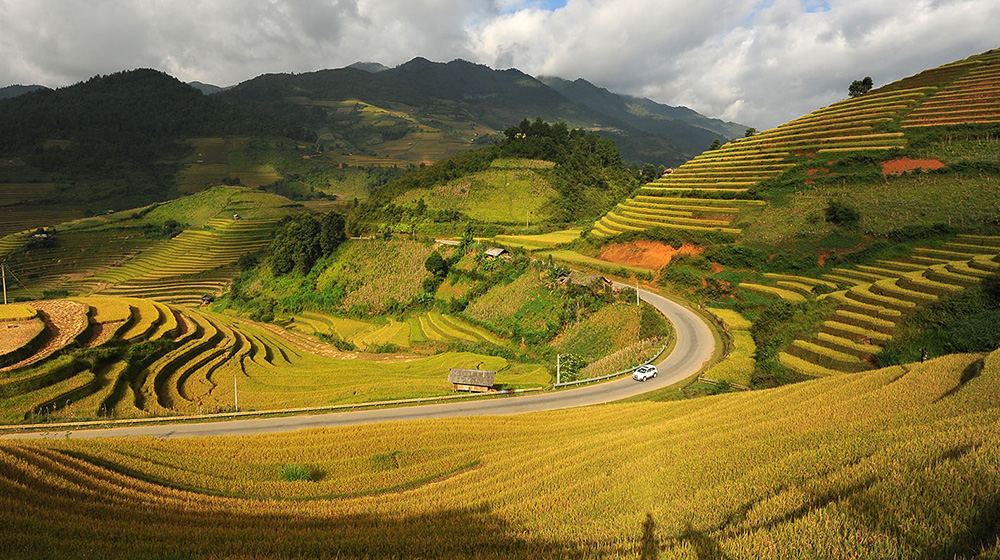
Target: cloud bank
757,62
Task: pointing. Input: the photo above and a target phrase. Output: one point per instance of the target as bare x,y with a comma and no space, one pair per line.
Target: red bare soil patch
647,254
818,172
905,165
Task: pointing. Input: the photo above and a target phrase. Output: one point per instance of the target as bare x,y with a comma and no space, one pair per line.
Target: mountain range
433,110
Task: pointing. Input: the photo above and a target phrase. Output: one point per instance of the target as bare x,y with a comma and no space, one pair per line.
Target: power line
18,280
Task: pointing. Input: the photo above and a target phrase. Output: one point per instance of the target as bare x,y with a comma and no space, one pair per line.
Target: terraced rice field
974,97
426,327
22,193
872,301
894,463
703,194
14,219
737,367
162,360
195,263
687,199
214,159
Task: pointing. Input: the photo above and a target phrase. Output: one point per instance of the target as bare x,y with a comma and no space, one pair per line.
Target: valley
334,316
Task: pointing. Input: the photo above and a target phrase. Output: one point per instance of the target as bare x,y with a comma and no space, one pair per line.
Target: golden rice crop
106,309
894,463
17,312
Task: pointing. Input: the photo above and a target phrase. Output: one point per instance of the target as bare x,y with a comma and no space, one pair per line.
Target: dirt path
65,320
15,334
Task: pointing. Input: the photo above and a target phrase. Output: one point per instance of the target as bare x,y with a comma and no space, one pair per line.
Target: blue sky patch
813,6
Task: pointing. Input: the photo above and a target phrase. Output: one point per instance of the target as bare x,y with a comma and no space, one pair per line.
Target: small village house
498,252
471,380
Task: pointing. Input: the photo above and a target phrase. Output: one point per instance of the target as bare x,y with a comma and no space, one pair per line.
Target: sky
757,62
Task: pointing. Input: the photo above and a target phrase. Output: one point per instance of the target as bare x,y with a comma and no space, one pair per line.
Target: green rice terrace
846,265
372,321
726,190
147,252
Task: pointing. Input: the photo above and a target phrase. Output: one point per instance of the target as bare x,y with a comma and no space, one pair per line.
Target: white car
643,373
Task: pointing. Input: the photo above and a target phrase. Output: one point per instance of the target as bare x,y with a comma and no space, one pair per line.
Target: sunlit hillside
895,463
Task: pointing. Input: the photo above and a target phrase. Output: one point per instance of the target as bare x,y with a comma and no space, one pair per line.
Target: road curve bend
695,345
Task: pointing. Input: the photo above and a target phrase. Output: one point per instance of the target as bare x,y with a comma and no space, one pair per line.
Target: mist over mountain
17,90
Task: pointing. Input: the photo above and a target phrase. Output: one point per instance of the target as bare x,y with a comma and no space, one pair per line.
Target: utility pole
637,290
558,356
3,273
526,212
236,395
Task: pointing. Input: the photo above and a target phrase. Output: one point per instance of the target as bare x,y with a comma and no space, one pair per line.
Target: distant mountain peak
18,89
371,67
207,89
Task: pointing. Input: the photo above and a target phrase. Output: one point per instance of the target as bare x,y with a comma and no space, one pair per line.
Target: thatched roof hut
474,380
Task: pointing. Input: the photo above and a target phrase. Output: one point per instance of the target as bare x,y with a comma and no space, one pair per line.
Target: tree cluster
860,87
302,240
115,130
589,174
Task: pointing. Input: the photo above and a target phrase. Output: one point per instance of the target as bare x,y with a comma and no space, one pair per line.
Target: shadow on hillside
169,531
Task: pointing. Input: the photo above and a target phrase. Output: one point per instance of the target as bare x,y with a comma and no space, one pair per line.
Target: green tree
648,173
436,265
842,214
332,232
750,132
860,87
468,238
715,145
296,245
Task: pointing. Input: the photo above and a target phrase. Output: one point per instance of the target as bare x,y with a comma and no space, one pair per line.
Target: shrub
297,472
842,214
247,261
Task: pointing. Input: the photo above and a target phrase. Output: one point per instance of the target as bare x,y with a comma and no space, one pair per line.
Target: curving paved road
694,347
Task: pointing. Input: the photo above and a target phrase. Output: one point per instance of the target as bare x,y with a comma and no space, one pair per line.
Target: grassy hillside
895,463
560,175
511,191
851,152
176,251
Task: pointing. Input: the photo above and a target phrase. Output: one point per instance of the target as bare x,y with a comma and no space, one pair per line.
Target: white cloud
760,63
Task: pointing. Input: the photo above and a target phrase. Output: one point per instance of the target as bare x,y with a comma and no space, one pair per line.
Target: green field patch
604,332
521,163
376,275
17,312
540,241
505,195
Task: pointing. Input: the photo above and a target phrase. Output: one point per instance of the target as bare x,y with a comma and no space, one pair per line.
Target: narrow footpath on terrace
695,345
